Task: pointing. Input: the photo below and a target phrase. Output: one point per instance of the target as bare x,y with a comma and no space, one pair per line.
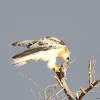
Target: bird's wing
35,54
48,42
52,41
43,42
29,51
43,49
26,43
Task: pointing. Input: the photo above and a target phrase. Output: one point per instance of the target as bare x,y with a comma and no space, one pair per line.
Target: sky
76,22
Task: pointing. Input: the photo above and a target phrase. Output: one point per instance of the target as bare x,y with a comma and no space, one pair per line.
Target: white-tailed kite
45,49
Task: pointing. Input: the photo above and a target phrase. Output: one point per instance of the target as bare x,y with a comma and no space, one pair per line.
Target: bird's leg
56,68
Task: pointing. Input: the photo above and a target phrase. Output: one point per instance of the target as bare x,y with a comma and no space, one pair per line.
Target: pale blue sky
76,22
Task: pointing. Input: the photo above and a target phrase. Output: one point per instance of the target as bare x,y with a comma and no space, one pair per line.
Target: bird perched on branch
45,49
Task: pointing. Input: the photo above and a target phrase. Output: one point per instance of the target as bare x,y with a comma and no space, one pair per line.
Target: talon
56,68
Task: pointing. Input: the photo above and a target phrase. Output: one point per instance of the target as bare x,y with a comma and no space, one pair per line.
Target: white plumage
45,49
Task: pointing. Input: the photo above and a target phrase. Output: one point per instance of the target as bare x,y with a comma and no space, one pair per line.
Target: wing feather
52,41
44,49
26,43
29,51
44,54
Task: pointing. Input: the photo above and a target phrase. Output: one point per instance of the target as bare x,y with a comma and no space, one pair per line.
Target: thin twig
95,91
77,96
72,61
40,96
45,93
97,75
58,81
58,96
34,93
66,89
48,91
64,98
93,71
59,91
90,75
76,92
30,80
53,91
98,85
49,86
88,89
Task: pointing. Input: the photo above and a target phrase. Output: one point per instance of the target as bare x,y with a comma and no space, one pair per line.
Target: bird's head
66,59
66,56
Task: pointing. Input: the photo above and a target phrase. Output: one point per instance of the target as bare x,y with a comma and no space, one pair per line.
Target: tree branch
90,74
61,76
61,80
53,91
91,85
88,89
63,84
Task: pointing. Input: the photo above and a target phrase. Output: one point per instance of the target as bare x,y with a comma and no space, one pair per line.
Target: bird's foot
56,68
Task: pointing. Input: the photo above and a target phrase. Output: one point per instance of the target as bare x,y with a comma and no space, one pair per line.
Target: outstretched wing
29,52
26,43
43,42
52,41
35,54
44,49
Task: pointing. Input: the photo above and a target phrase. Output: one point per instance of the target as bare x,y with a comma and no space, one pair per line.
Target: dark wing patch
62,43
26,43
18,44
30,51
42,43
30,44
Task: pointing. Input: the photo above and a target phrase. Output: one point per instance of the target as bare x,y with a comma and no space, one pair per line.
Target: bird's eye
67,58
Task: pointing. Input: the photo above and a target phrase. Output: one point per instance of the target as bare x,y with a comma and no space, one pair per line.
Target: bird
45,49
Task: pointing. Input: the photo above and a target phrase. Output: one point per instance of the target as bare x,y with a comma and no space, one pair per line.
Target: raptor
45,49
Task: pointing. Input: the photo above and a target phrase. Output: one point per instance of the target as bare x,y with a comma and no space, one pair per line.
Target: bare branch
91,85
88,89
98,85
59,91
65,88
30,80
77,96
34,93
53,91
64,98
95,91
72,61
40,96
97,75
93,71
82,90
90,75
58,97
62,81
